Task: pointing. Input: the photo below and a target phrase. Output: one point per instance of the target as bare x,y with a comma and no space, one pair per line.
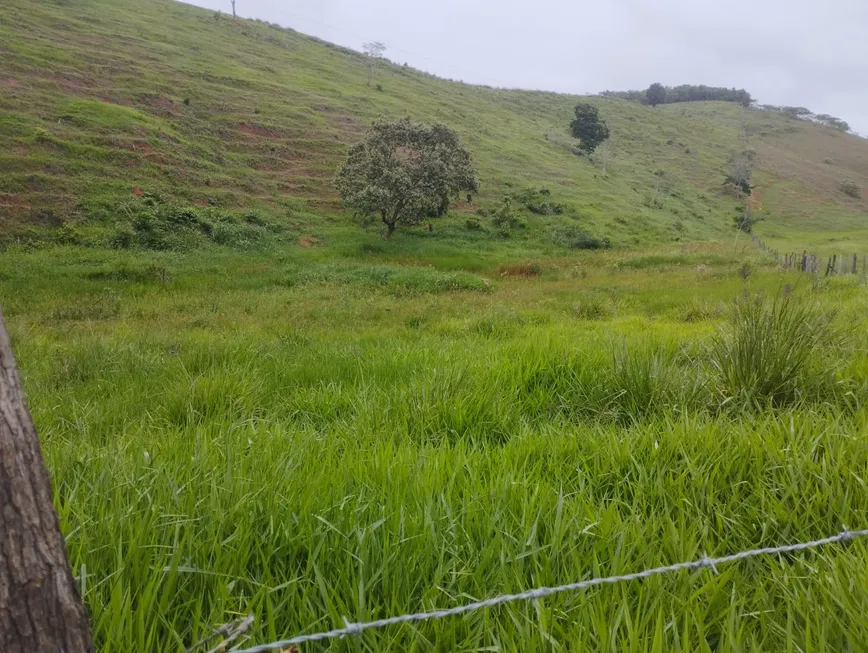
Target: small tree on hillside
404,172
656,94
374,50
588,127
741,171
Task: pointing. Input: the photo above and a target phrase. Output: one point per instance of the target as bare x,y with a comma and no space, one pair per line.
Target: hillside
103,100
249,403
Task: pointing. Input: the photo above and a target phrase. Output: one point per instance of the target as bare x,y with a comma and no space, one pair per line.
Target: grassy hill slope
102,100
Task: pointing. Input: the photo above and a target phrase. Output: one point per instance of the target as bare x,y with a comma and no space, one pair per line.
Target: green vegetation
405,172
656,94
588,127
106,98
250,403
308,437
659,94
852,189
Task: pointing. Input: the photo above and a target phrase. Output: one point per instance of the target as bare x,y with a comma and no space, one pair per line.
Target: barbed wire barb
704,562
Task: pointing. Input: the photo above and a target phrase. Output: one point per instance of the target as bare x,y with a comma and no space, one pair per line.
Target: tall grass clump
775,352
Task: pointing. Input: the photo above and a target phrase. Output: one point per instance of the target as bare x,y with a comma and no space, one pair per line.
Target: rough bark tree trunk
40,609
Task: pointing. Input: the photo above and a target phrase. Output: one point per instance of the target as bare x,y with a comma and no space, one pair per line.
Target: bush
505,219
575,238
538,201
745,221
771,351
852,189
473,224
157,225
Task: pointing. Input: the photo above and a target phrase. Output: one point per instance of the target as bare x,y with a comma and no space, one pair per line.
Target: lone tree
589,128
404,172
741,167
40,609
656,94
374,50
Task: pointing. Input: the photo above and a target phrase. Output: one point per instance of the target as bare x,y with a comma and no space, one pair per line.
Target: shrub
852,189
745,221
575,238
505,218
68,234
771,351
473,224
255,219
160,226
124,238
538,201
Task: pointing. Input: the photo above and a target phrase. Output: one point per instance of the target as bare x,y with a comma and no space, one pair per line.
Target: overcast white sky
796,52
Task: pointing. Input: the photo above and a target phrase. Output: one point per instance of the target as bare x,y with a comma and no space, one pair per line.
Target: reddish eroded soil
257,130
72,84
162,105
755,201
12,203
308,241
137,191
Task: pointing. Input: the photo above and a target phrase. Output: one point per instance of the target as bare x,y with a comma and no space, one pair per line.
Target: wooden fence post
40,609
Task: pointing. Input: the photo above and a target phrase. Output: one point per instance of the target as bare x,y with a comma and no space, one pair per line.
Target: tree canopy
741,167
802,113
686,93
656,94
588,127
403,172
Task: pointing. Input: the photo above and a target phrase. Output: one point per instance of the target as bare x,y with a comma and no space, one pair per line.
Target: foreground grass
308,438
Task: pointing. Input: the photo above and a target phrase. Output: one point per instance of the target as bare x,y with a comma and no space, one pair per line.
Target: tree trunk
40,609
233,9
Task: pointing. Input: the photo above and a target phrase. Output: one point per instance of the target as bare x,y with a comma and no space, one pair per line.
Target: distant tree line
659,94
801,113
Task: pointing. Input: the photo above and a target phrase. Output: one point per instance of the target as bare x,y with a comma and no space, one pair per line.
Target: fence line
705,561
836,264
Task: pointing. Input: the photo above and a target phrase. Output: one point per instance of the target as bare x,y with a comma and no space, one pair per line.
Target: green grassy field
308,438
249,402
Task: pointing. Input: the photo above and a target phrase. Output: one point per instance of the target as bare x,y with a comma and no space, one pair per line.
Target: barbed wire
356,628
